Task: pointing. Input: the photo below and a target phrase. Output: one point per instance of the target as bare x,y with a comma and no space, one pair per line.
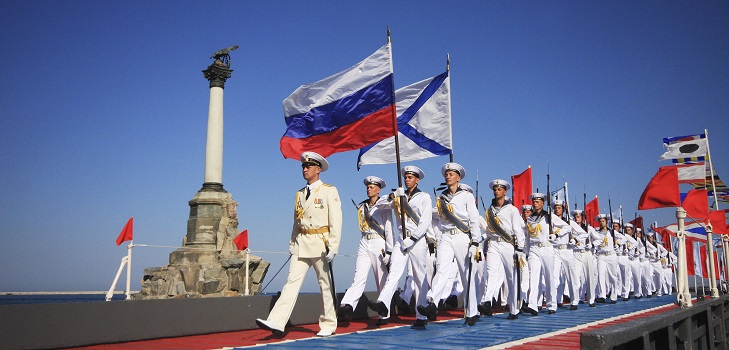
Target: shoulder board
327,185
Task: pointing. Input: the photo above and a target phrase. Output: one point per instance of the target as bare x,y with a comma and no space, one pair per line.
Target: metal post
683,294
248,266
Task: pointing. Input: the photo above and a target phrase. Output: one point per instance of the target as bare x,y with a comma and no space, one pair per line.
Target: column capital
217,73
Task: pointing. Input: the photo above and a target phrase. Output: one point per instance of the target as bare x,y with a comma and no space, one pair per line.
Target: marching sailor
314,243
584,259
623,279
633,249
460,243
651,254
505,231
410,247
565,272
607,262
374,250
541,254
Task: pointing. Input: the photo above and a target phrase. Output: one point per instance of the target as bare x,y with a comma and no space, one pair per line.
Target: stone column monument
208,264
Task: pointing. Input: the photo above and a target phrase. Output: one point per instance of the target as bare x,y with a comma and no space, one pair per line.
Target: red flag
662,191
241,241
716,265
696,204
521,190
638,222
591,211
704,269
690,262
718,221
127,233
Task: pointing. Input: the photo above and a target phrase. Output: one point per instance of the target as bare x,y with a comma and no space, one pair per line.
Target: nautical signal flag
127,233
346,111
662,191
241,241
696,204
521,189
685,148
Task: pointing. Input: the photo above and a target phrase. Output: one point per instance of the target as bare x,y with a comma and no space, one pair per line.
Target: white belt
643,259
498,239
453,232
579,250
542,245
605,253
560,246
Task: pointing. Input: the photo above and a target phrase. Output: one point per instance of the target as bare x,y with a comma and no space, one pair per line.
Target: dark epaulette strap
452,217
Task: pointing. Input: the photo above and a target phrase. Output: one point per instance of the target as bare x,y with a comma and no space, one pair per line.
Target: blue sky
104,111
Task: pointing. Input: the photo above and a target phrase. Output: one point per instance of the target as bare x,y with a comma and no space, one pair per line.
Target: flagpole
709,238
397,141
129,268
450,127
683,295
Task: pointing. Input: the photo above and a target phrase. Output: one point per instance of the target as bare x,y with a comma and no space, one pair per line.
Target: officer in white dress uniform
505,232
541,254
375,224
459,243
412,248
607,263
314,243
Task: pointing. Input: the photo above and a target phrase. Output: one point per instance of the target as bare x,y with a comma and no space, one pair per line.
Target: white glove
522,258
399,192
407,243
552,237
386,259
330,256
573,241
291,248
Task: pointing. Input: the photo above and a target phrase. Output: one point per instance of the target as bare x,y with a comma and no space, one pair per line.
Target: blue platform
489,331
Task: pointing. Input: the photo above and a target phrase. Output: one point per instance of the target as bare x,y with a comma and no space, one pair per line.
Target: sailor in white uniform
584,259
505,231
410,247
375,224
565,266
460,242
541,254
607,263
632,248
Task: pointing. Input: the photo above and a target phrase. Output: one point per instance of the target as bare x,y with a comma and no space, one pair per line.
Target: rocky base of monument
216,277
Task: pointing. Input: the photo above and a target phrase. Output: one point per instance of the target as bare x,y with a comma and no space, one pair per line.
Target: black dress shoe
600,300
531,311
560,304
419,324
639,297
470,321
378,307
345,312
551,312
382,322
625,299
451,302
485,308
512,317
403,308
613,301
592,305
573,307
428,310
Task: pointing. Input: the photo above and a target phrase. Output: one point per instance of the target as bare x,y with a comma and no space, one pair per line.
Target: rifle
612,231
549,205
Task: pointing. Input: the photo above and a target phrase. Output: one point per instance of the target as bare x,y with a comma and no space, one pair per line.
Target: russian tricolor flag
346,111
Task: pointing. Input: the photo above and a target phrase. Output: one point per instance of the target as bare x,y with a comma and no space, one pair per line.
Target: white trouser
501,259
541,264
281,312
646,277
637,275
453,248
369,254
667,280
569,278
588,280
494,271
625,277
657,273
398,261
607,273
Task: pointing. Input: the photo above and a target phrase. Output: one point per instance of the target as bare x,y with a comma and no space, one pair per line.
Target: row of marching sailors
442,252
